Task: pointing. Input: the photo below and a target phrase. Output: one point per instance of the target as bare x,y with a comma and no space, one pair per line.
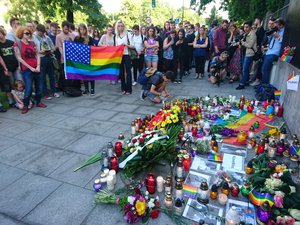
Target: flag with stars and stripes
84,62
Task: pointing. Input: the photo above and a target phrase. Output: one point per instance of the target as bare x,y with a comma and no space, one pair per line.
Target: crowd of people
32,52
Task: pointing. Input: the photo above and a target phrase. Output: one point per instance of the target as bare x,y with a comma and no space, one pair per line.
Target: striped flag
84,62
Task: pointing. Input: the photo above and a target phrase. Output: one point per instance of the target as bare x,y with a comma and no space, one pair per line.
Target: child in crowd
19,93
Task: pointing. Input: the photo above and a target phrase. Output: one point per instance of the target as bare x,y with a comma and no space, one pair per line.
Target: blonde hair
86,36
116,28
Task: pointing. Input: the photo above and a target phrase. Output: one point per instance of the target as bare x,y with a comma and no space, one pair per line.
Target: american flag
77,52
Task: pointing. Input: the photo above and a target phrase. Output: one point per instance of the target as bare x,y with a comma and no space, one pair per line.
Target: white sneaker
56,95
255,83
134,83
47,97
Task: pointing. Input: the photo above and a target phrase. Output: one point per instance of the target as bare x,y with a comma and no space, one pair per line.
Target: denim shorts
149,94
151,58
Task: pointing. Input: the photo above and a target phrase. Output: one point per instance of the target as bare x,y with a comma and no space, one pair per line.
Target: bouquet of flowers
165,117
135,206
288,53
274,179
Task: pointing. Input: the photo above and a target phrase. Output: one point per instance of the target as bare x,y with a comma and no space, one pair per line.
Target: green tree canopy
137,11
241,10
78,11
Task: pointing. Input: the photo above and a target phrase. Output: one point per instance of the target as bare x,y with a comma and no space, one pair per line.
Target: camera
272,31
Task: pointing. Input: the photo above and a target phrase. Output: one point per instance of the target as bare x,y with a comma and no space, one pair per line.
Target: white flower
146,193
136,144
152,199
280,193
129,144
146,197
293,189
130,199
151,204
157,198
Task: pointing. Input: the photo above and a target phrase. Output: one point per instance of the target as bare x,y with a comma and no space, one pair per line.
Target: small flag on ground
277,94
84,62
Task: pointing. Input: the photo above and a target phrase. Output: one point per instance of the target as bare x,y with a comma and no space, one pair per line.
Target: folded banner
259,198
84,62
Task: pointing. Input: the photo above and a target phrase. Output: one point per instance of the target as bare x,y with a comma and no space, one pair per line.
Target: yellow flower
154,123
140,207
163,124
168,121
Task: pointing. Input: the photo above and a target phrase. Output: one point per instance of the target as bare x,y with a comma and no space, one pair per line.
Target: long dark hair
169,37
183,33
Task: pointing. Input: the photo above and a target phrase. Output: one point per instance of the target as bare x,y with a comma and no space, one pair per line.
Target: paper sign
292,83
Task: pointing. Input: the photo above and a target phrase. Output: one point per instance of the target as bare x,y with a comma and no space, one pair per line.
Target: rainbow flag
292,75
295,150
214,157
84,62
189,191
277,94
259,198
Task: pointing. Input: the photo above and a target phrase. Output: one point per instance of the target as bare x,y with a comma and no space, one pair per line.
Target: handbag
132,52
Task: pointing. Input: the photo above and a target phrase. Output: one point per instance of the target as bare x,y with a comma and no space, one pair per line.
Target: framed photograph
195,178
203,165
195,211
245,209
234,163
234,150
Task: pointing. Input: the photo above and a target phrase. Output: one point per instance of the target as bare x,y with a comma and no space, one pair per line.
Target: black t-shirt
180,50
190,39
81,40
156,80
8,55
260,33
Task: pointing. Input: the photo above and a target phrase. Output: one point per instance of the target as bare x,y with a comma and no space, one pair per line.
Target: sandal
232,79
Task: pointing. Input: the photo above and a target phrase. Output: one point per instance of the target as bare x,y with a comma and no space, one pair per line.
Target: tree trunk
70,14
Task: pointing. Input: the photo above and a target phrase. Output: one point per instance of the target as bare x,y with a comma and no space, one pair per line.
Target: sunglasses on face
27,33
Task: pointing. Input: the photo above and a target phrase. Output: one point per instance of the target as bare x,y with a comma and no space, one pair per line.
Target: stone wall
291,99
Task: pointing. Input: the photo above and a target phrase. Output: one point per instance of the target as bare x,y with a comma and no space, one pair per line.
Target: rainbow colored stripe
277,94
190,191
259,198
295,150
84,62
214,157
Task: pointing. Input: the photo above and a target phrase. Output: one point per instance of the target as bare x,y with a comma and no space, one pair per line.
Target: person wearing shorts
151,48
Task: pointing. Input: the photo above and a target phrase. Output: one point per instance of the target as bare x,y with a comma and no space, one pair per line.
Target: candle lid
178,203
203,185
225,185
266,206
250,164
179,163
178,185
251,128
169,196
97,181
214,188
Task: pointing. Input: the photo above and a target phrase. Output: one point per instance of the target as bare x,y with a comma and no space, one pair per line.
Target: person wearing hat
275,41
46,48
248,42
218,67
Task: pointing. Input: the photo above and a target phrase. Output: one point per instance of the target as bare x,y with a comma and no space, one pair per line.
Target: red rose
142,140
133,140
157,204
152,133
154,214
145,135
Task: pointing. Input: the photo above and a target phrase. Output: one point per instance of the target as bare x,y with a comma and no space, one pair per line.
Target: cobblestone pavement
39,150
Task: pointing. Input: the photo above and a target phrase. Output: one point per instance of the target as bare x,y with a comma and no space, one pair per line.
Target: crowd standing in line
31,53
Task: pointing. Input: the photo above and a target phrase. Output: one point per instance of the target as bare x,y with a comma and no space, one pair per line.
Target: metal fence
282,12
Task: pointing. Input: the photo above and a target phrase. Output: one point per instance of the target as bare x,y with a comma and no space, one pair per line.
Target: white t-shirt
124,41
106,40
138,42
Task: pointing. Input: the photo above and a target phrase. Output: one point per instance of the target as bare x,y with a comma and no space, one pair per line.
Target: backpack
72,91
145,75
265,92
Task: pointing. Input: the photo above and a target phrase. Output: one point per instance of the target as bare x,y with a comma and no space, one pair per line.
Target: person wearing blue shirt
273,51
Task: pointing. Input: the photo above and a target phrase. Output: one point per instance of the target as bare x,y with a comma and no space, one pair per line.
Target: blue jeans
47,68
246,64
126,82
30,77
267,67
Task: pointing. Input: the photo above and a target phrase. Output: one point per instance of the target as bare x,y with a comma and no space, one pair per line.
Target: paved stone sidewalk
39,150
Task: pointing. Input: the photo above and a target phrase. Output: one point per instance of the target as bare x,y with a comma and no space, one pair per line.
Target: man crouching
218,68
156,87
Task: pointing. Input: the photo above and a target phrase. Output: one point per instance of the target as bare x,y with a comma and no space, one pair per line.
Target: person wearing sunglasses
29,59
